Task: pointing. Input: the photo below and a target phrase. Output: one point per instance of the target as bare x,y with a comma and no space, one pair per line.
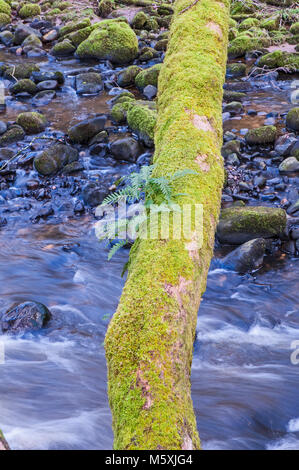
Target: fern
145,187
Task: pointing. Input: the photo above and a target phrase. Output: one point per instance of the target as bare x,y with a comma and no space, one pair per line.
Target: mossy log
149,342
3,443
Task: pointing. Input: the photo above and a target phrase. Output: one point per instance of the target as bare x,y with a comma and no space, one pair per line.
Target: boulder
127,76
27,316
54,159
240,224
113,40
290,164
126,149
13,134
292,120
24,86
32,122
247,257
88,83
93,194
148,76
82,132
261,135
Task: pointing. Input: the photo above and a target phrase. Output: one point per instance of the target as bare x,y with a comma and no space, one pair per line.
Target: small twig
190,6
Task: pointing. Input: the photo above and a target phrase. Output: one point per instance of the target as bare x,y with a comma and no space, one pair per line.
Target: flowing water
53,384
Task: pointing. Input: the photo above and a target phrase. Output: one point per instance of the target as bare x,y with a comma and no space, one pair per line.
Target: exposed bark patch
187,443
177,291
215,28
142,383
192,247
201,161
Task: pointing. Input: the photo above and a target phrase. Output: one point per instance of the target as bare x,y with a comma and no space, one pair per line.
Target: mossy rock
270,24
13,134
127,76
242,44
54,159
243,6
118,112
21,71
233,96
278,59
24,86
147,53
32,40
233,146
289,165
139,20
151,24
280,3
29,10
236,70
79,36
63,48
142,120
4,19
148,76
74,26
240,224
294,29
112,40
5,8
32,122
105,7
161,45
292,119
248,23
261,135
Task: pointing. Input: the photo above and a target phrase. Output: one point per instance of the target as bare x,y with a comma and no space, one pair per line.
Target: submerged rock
28,316
240,224
247,257
54,159
88,83
93,194
82,132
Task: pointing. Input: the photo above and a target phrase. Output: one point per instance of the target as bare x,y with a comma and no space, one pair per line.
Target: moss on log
149,342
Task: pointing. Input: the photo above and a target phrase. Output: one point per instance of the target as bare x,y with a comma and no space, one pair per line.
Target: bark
149,342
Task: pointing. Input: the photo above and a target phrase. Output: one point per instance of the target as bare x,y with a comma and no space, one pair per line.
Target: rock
105,7
32,40
28,316
289,164
50,36
161,45
21,33
126,149
13,134
3,127
82,132
6,153
6,37
233,146
292,120
247,257
35,52
236,70
20,71
261,135
284,144
142,120
72,168
4,20
43,97
240,224
29,10
127,76
38,76
113,40
148,76
47,85
54,159
139,20
278,59
101,137
32,122
233,160
93,194
150,92
63,48
89,83
74,26
293,208
235,107
24,86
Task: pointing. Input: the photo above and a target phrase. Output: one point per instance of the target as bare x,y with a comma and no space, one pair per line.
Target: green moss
74,26
29,10
233,95
243,6
295,28
32,122
112,40
105,7
240,224
24,86
4,19
148,76
270,24
21,71
254,38
278,59
63,48
248,23
127,76
151,24
5,8
13,134
142,120
139,20
149,342
261,135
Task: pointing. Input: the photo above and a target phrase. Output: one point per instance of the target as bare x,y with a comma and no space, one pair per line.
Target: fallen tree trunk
3,443
149,342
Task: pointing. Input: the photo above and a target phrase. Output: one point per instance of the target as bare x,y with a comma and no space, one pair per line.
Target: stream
53,383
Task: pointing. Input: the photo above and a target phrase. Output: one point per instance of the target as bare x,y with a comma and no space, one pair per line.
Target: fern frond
115,248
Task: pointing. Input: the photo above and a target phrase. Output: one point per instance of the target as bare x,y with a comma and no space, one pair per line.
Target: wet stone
28,316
